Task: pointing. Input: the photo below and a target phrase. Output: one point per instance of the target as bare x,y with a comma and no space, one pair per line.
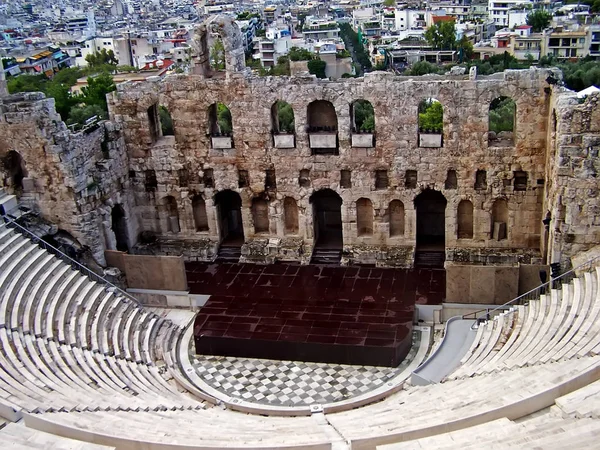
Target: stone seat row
70,343
562,324
16,436
549,429
412,413
45,297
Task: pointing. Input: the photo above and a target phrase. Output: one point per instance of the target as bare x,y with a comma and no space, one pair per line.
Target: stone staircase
430,259
8,203
326,256
229,254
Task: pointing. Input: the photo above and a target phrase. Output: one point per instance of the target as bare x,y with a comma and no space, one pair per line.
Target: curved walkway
458,337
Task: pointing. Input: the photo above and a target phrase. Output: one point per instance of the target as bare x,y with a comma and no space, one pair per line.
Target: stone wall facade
71,179
396,152
124,185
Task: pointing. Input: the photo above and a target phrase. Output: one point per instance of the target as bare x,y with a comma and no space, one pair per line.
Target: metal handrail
537,291
66,258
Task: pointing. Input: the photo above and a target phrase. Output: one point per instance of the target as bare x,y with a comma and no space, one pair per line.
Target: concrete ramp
457,340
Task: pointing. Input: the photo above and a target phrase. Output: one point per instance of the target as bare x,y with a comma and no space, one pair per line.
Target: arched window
499,219
217,54
166,121
363,117
13,166
431,123
396,218
451,180
199,211
465,220
322,127
282,118
364,217
502,116
172,213
290,213
219,118
260,215
153,122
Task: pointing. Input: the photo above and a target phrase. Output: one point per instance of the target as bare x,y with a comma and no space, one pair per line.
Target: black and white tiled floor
293,383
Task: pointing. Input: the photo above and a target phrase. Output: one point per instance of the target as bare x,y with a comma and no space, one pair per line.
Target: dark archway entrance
431,229
119,227
229,212
14,167
327,218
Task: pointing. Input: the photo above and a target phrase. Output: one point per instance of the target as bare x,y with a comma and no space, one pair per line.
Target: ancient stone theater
268,224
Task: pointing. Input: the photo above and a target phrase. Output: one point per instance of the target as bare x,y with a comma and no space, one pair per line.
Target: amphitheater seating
71,344
82,360
560,325
18,437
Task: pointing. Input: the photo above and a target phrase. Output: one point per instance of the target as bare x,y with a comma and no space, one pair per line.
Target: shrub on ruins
300,54
423,68
431,116
317,67
97,88
502,115
79,114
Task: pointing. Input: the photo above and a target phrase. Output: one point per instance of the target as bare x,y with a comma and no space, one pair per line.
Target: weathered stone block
223,142
429,140
323,140
284,140
363,140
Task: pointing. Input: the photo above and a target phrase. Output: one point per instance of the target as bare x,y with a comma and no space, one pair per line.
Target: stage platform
345,315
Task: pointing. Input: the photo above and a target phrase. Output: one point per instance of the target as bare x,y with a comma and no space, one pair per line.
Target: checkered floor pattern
293,383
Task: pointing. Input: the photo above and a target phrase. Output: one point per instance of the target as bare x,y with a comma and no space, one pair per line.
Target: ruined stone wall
395,101
571,201
72,178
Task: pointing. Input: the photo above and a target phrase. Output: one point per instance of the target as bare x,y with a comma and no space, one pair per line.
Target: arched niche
431,123
499,230
501,122
396,218
199,213
363,123
260,215
220,126
290,215
322,127
283,124
464,220
364,217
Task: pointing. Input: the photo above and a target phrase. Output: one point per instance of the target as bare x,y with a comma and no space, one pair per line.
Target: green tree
364,116
441,35
224,119
217,55
63,100
502,115
79,114
101,58
423,68
539,19
389,3
465,48
166,121
300,54
317,67
285,117
97,88
431,115
26,83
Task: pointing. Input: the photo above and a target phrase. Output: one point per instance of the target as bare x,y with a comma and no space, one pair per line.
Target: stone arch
119,227
501,122
282,118
364,217
321,116
327,219
153,122
431,123
172,213
451,180
362,116
290,215
431,219
229,213
465,220
396,218
166,121
499,229
199,212
219,120
233,44
13,166
260,215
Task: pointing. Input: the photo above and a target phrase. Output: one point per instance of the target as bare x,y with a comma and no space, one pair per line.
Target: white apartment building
499,10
